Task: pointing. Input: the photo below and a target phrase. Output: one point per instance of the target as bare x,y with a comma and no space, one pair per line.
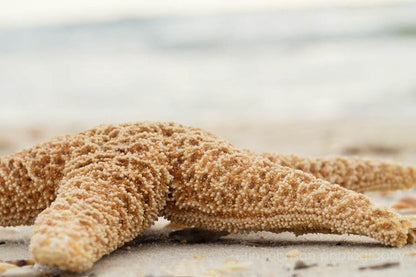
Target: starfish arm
99,207
235,191
353,173
29,180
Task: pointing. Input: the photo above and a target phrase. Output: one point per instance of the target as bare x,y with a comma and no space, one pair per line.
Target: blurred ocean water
327,63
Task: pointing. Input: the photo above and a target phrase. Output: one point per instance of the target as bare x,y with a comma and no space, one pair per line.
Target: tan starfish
90,193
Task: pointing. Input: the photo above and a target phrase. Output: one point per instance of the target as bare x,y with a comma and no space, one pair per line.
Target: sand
260,254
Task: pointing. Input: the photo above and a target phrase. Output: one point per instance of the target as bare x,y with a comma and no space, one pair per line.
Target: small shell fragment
293,254
197,256
21,262
6,266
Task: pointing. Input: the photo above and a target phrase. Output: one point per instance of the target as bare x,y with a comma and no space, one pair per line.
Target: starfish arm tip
59,252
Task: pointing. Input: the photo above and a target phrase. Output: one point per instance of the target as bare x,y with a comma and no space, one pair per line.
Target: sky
20,13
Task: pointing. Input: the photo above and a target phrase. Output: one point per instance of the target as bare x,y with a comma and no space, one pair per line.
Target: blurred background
303,75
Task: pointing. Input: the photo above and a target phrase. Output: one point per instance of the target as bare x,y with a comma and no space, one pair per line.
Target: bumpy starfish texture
91,192
356,174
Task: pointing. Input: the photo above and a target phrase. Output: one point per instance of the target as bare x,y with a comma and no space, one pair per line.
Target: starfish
89,193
